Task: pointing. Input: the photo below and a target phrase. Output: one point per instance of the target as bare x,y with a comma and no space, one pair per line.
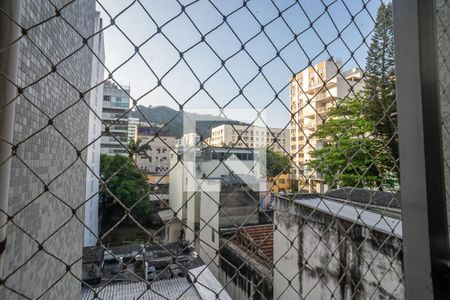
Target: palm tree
136,148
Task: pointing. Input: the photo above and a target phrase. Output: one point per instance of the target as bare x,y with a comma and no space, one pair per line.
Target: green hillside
174,119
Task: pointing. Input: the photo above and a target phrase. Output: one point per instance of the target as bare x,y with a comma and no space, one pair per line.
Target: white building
252,137
133,124
116,103
313,92
94,131
203,170
156,159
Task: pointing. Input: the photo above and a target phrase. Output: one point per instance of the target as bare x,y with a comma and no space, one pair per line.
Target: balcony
116,106
114,117
309,126
315,86
325,108
117,129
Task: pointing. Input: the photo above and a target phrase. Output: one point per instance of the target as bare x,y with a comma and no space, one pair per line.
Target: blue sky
296,41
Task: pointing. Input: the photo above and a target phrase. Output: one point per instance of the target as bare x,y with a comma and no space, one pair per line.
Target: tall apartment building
133,124
40,194
156,160
116,104
313,92
94,131
253,137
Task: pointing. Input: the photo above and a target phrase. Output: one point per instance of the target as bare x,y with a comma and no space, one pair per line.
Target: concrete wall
443,42
47,153
243,276
239,207
209,224
176,184
319,257
94,131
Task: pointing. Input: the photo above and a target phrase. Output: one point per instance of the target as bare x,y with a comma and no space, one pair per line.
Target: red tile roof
259,238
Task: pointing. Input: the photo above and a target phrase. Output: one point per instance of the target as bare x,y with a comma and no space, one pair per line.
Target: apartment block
116,105
133,124
313,92
40,193
276,139
156,159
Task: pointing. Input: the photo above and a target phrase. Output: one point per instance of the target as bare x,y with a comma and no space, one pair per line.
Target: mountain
174,119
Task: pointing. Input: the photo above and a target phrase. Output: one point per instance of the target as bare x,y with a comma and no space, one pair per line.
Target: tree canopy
350,155
379,89
277,163
127,184
360,143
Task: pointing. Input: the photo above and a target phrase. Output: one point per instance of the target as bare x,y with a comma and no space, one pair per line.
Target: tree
277,163
350,155
137,149
379,88
127,184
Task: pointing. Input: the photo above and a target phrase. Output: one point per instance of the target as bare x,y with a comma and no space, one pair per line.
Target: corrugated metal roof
176,288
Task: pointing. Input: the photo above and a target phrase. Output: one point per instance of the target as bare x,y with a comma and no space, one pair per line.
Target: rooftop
256,241
127,280
346,211
364,196
262,237
176,288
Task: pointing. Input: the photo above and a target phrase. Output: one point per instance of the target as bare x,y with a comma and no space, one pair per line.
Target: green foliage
350,156
380,84
127,184
360,141
137,148
277,163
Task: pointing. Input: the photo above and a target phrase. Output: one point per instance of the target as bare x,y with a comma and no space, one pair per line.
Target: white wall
93,151
209,223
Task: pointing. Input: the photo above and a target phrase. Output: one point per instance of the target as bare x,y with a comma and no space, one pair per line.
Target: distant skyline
181,85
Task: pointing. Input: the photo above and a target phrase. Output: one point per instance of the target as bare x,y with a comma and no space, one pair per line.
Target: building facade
116,105
41,210
133,124
94,131
313,92
252,137
339,246
156,159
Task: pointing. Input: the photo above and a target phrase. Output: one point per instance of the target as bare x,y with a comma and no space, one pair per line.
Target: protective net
204,150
